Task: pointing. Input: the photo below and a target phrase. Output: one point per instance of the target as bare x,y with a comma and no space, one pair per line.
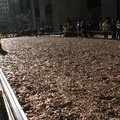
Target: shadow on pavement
3,52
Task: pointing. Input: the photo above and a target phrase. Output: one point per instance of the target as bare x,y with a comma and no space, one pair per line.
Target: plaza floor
58,78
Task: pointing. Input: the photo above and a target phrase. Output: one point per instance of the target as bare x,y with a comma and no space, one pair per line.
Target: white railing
13,108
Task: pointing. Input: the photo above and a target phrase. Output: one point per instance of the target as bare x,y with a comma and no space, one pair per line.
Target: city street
58,78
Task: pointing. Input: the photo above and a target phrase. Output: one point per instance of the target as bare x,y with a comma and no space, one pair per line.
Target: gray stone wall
57,12
109,9
64,10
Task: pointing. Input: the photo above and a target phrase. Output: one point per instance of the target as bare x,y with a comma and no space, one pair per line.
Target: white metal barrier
13,108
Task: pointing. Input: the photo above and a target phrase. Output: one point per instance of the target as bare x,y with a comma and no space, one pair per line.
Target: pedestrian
118,29
89,28
78,28
113,28
100,27
0,41
47,29
65,28
42,31
61,28
82,28
35,32
106,28
51,29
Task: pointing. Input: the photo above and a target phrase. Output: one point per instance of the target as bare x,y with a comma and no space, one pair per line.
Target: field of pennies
58,78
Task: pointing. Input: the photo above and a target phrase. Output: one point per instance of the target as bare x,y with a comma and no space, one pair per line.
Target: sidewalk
97,36
102,36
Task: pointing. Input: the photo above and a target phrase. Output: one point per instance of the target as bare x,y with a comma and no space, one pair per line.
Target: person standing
61,28
65,28
51,29
78,28
106,28
0,41
83,29
118,29
113,29
100,27
89,28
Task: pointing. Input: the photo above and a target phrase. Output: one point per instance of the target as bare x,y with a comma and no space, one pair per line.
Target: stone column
33,14
83,9
25,6
56,15
42,12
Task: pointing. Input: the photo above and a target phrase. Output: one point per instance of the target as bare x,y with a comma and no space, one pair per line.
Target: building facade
60,11
4,15
110,8
55,12
33,13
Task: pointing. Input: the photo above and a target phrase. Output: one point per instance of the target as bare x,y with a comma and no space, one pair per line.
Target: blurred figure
106,28
118,29
51,29
47,29
100,27
3,52
78,28
82,28
61,28
89,28
0,41
42,31
35,32
65,28
113,28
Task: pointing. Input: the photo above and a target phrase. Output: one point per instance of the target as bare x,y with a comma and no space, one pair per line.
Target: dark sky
94,3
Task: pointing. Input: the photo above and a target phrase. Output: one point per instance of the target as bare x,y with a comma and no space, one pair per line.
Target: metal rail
13,108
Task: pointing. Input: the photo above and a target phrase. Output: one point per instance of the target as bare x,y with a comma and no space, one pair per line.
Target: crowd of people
28,32
113,26
34,32
83,29
87,29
